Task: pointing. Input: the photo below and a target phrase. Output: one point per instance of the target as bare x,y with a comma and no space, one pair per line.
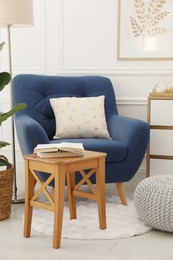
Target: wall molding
131,101
133,71
123,101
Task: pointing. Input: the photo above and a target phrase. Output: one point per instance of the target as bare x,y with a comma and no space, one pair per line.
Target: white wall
79,37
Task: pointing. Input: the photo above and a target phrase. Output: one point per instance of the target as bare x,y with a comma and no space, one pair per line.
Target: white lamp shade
16,13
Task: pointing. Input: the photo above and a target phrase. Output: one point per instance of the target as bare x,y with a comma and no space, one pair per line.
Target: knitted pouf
153,200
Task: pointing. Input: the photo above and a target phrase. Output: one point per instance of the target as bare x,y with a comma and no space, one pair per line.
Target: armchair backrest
36,90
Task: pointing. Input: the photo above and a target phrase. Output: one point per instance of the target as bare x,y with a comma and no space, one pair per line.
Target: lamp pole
15,13
15,200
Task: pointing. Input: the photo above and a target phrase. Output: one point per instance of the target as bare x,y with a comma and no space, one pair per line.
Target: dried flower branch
146,20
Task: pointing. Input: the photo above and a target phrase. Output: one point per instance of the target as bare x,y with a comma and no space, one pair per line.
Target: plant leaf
2,45
3,144
4,163
11,112
4,79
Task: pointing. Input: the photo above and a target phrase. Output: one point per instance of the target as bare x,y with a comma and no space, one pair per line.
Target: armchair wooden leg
121,193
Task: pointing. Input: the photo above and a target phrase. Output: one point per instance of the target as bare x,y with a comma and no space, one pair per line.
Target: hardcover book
63,149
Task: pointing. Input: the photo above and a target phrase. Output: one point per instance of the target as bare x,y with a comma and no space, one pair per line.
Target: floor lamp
15,13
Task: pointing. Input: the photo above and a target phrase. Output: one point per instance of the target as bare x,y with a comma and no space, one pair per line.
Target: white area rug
122,221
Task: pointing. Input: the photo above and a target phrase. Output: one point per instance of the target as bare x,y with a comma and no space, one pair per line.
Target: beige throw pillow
80,117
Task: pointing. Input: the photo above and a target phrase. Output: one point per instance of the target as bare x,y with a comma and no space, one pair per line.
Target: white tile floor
154,245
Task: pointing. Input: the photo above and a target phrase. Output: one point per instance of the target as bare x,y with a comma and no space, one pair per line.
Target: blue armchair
36,124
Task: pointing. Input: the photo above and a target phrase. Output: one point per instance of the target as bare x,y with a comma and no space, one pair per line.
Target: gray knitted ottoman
153,200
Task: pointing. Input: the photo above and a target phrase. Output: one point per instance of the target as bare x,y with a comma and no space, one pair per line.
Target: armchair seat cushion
116,151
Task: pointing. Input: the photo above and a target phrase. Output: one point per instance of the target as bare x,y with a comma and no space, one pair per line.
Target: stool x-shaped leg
43,189
73,191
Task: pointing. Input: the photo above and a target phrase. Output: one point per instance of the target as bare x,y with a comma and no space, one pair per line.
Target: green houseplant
6,176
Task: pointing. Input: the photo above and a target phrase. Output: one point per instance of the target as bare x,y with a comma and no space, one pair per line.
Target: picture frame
145,30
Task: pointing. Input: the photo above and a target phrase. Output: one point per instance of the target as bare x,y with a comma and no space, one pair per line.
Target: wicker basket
6,190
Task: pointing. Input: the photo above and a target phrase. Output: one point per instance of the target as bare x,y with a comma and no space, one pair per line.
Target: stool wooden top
56,160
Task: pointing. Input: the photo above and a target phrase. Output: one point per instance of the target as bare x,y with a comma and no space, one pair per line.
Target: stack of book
59,150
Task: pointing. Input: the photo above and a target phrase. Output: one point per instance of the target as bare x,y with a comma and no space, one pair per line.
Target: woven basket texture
6,190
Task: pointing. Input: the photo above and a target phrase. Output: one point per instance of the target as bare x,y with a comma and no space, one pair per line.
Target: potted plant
6,175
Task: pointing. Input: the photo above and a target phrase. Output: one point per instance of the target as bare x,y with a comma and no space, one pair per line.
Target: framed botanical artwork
145,29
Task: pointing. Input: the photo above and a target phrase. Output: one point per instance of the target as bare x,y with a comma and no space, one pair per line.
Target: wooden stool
59,168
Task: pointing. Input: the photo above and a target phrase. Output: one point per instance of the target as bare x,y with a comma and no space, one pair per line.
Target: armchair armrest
29,133
132,132
135,134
